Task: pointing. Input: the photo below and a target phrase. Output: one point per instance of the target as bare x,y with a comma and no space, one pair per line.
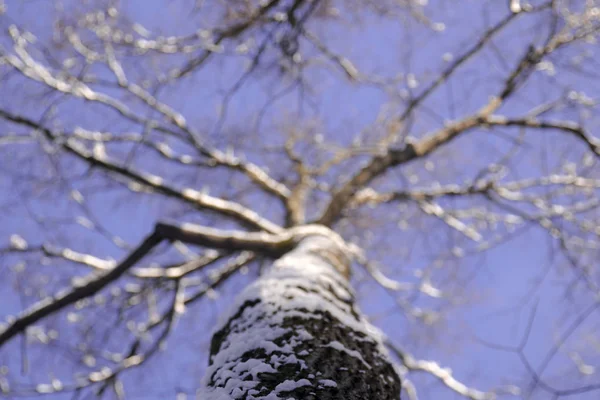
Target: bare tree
299,157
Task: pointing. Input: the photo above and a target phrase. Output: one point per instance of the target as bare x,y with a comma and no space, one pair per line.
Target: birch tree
299,199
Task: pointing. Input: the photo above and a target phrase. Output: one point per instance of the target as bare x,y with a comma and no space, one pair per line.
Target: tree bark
295,333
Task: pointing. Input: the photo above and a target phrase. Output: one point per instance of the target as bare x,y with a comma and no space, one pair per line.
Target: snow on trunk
295,333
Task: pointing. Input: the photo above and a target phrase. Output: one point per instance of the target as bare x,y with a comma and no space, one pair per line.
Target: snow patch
300,284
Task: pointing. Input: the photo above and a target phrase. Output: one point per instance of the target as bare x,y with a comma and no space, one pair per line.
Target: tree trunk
295,333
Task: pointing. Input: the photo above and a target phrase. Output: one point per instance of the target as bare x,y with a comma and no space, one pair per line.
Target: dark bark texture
295,333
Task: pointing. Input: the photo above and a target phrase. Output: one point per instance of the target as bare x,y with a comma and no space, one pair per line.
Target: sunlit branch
84,288
152,182
351,72
28,67
179,271
444,375
591,142
16,139
424,287
100,264
223,34
544,220
296,201
392,157
456,224
252,171
132,358
67,254
219,275
161,148
511,190
455,65
180,300
261,242
484,39
268,244
32,69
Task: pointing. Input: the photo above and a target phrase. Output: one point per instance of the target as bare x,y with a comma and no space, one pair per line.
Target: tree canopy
156,156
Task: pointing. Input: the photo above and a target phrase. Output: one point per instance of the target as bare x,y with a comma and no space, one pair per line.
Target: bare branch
575,129
156,183
100,264
393,157
430,143
266,243
442,374
34,70
84,288
220,275
226,33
